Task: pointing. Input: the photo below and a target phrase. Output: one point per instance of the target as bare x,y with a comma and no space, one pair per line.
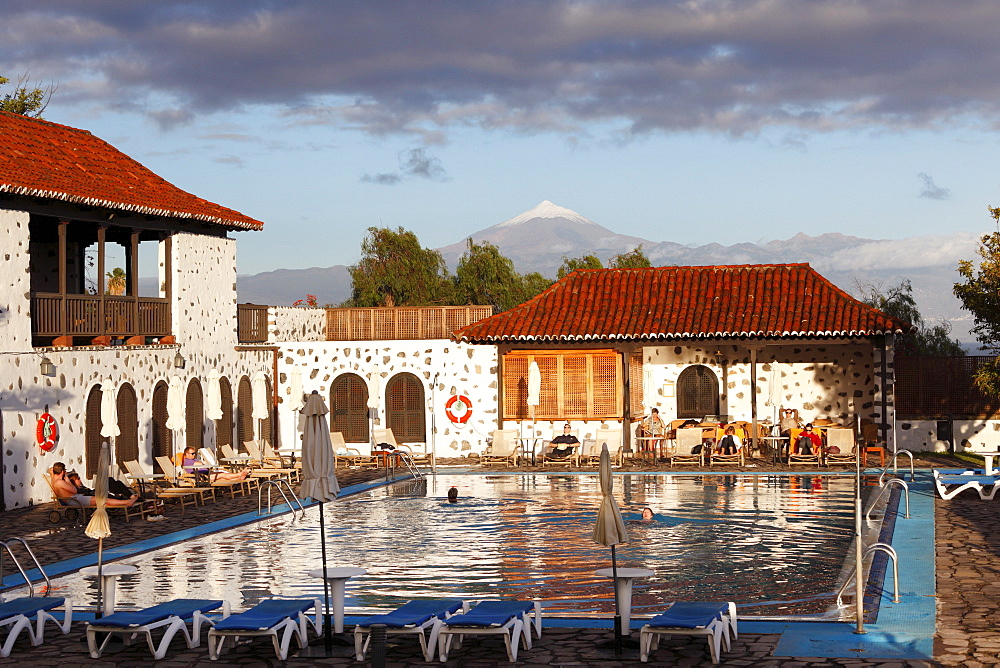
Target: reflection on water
773,544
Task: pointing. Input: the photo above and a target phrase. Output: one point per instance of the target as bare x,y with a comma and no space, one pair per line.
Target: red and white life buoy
47,433
458,409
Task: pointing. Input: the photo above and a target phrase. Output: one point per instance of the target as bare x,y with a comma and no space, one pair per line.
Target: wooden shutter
195,415
93,436
635,379
575,384
127,442
349,408
163,438
697,392
224,435
405,408
244,412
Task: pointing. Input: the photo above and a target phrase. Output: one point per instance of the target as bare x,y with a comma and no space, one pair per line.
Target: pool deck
947,617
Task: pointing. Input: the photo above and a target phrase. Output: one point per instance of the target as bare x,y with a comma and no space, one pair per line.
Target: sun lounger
68,506
270,618
185,481
173,615
950,485
511,619
18,613
715,621
504,448
411,618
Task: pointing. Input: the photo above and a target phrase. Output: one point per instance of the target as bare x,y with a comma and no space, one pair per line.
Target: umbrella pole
618,613
100,579
327,635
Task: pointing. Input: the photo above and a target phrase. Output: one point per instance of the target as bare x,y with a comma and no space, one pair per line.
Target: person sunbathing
64,487
192,464
562,446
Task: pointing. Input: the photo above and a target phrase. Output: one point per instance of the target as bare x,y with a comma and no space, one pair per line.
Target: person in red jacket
808,442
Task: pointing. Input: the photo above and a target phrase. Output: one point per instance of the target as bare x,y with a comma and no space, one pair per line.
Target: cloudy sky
693,122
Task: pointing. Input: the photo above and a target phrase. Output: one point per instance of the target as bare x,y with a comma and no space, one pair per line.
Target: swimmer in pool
647,514
453,495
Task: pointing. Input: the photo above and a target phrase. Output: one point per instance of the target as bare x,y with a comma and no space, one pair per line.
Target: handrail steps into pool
411,618
17,613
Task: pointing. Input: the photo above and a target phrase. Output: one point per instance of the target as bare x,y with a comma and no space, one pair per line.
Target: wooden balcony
54,315
251,323
397,323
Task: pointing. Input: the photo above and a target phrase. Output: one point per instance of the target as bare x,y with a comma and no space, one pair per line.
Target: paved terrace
968,598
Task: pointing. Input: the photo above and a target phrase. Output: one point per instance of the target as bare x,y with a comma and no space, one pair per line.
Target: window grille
127,442
93,427
404,402
194,415
697,392
349,408
162,437
224,436
578,384
244,412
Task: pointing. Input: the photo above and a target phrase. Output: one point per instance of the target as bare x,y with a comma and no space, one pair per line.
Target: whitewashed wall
204,311
292,323
922,435
443,366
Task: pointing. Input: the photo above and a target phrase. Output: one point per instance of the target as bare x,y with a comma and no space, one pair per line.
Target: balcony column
102,323
63,224
132,288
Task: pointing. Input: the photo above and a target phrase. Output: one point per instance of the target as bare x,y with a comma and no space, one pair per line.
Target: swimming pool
774,544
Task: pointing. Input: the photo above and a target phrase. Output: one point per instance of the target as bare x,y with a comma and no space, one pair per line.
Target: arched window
224,435
349,407
697,392
404,405
163,438
127,442
93,430
195,414
244,412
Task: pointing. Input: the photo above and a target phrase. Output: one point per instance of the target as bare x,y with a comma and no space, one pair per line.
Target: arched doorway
127,442
349,407
244,412
163,438
93,431
195,415
697,392
404,407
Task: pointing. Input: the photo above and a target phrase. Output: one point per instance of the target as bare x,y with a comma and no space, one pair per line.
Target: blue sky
691,122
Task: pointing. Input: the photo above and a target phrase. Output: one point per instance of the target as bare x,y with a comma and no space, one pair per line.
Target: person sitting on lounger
730,443
65,488
191,464
562,446
808,442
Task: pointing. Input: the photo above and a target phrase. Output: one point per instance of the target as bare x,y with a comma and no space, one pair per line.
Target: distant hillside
539,238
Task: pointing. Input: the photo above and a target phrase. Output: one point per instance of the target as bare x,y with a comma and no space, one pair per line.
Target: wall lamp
46,367
178,360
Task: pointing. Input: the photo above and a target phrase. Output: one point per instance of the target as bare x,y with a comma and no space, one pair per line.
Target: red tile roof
43,159
758,301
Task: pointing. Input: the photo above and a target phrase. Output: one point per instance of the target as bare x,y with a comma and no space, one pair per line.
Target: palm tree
116,281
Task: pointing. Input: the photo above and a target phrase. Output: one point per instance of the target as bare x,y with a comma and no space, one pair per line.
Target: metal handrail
38,565
892,464
872,549
276,483
887,485
410,465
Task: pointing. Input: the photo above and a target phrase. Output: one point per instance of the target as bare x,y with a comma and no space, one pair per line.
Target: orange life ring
458,409
47,433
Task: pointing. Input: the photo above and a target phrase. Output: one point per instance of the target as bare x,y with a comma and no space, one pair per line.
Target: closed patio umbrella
260,412
213,397
609,529
109,410
99,527
534,398
319,480
175,407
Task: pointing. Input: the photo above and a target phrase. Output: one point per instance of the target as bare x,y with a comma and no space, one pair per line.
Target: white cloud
901,254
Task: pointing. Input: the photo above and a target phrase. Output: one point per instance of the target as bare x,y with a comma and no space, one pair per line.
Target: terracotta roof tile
765,301
43,159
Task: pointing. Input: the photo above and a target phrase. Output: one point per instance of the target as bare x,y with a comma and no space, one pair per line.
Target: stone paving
968,584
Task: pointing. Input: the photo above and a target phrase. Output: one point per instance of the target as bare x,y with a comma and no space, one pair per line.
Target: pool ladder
277,484
6,544
872,549
887,483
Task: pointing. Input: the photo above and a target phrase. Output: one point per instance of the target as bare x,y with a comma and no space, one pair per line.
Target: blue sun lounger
17,614
413,617
951,484
715,621
173,615
286,616
511,619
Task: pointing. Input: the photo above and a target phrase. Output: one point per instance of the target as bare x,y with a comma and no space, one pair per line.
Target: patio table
109,577
778,446
337,577
623,587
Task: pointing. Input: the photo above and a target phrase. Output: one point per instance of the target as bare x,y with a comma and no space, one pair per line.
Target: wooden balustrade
93,315
398,323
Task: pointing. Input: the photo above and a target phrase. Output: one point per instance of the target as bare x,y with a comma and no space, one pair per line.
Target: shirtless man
64,488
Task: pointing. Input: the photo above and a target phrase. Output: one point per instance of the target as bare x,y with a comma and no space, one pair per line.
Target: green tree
26,99
634,259
395,271
485,276
571,264
535,284
979,292
898,301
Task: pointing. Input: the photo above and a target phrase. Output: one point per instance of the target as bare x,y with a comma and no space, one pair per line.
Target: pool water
774,544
